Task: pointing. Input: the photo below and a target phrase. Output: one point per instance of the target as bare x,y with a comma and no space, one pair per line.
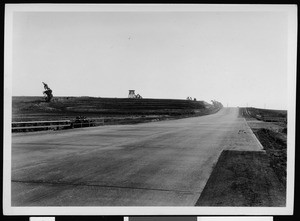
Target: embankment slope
34,108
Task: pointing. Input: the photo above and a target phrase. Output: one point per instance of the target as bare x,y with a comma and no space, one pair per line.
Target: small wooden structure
131,94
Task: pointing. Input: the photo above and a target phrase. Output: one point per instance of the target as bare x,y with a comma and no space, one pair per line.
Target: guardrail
40,125
88,123
54,125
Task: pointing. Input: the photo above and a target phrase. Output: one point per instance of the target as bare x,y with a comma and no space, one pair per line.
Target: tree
47,93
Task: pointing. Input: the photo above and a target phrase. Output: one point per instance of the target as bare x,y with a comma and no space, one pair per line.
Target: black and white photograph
151,109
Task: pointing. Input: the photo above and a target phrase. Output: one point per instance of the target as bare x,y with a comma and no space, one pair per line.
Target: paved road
163,163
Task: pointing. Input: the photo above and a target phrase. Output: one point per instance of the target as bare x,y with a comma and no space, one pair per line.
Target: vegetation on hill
35,108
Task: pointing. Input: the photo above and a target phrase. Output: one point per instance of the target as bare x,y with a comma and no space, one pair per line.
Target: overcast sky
233,57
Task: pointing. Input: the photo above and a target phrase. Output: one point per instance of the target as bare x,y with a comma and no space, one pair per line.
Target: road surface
164,163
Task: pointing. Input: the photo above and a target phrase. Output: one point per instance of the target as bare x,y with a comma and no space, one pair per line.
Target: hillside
35,108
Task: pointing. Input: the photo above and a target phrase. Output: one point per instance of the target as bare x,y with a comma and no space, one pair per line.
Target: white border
291,10
148,7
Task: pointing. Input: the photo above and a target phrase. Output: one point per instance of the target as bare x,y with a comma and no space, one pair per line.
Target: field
113,110
270,127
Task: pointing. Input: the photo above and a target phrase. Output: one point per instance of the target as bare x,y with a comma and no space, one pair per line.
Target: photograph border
8,65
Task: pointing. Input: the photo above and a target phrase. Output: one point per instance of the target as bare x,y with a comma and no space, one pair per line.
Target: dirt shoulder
252,178
271,134
243,178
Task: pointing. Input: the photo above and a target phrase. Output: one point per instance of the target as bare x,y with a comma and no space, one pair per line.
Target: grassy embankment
113,110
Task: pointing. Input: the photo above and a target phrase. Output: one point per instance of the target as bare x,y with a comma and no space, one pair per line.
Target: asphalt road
164,163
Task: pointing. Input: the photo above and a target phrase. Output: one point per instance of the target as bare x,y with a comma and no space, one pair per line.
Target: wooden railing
88,123
54,125
40,125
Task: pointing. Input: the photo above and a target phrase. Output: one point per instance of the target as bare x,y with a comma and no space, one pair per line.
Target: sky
237,58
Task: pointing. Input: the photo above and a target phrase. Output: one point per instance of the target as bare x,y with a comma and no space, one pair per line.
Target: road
164,163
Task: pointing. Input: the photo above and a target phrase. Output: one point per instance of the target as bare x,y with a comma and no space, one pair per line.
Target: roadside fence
54,125
39,125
